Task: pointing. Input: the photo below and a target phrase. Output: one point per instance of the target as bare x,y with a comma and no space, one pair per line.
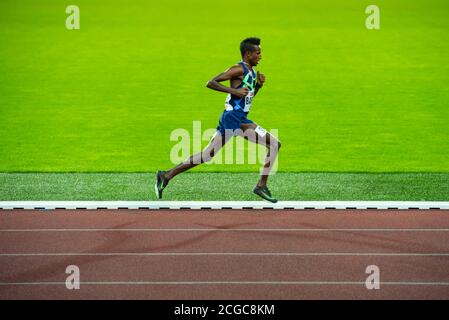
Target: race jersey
249,81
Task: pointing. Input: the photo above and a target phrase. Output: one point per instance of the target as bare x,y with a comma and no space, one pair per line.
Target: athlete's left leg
215,144
256,134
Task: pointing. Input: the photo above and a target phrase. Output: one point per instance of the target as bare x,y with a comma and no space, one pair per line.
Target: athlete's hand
260,78
242,92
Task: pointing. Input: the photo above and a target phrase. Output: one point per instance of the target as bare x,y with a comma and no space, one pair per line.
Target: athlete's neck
247,63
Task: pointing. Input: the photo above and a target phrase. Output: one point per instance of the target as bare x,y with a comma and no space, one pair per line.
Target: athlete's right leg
215,144
253,134
266,139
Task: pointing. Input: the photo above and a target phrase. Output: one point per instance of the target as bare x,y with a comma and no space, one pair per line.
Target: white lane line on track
270,254
227,230
133,283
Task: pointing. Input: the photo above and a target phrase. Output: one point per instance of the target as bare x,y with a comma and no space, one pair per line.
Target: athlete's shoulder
236,70
238,66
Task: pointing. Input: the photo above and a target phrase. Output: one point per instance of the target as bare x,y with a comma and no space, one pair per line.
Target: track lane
314,276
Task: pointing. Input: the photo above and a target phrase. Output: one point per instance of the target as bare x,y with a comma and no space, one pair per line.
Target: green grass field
105,98
225,186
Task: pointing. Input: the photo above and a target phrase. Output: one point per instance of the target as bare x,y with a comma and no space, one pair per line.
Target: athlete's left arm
260,82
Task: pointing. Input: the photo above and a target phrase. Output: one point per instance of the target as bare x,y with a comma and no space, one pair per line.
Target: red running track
226,254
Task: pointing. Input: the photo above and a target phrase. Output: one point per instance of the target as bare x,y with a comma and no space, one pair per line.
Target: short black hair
248,44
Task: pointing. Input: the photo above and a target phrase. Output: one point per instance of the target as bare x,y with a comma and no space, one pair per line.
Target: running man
245,83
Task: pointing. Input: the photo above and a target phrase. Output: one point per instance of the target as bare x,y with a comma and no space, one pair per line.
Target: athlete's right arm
233,72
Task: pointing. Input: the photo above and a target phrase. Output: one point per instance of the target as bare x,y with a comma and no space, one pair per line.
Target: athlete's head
250,50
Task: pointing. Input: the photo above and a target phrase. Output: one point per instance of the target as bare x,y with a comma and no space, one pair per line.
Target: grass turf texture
105,98
225,186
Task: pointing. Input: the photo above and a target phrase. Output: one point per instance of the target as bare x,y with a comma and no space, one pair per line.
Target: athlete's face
255,56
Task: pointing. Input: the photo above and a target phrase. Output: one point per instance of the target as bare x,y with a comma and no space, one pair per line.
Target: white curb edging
218,205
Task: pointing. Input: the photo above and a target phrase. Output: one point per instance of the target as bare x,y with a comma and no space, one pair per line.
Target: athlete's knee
193,160
207,156
275,145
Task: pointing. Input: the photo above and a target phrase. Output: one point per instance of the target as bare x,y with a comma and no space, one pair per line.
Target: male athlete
245,83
